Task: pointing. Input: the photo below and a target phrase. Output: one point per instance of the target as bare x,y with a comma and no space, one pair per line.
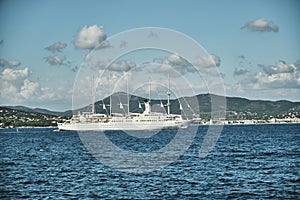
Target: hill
236,107
17,118
36,110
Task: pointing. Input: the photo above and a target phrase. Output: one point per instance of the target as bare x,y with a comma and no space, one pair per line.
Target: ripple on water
248,162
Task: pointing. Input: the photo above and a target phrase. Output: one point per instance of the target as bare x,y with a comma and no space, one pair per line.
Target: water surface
248,162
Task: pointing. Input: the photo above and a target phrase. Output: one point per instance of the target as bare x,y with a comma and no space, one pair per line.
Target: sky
254,45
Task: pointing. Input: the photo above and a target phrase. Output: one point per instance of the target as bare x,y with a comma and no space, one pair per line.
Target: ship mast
110,98
169,94
150,90
148,103
93,96
110,105
127,97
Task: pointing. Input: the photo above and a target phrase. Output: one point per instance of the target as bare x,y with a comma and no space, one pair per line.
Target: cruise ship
148,120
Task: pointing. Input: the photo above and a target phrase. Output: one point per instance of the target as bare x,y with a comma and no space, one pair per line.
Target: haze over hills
236,107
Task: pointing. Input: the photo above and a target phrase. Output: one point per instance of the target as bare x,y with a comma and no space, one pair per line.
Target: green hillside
235,108
17,118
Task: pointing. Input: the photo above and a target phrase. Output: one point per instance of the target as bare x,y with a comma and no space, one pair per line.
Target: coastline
250,121
193,124
29,127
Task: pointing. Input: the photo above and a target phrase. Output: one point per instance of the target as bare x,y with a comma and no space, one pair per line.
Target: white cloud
94,63
28,89
174,65
12,75
60,61
280,67
122,66
9,63
175,59
56,47
279,76
55,60
90,37
239,72
280,80
261,25
11,83
16,87
216,59
48,93
14,63
208,61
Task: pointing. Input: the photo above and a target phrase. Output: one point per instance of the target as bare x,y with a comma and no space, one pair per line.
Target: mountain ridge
235,106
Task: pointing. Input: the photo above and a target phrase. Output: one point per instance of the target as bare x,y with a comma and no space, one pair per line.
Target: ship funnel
147,107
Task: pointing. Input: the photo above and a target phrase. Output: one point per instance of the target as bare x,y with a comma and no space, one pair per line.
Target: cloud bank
282,75
15,84
16,87
279,68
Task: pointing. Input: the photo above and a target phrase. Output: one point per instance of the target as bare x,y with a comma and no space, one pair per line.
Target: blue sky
257,43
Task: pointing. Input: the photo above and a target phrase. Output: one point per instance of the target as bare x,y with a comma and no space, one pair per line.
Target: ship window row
143,120
121,120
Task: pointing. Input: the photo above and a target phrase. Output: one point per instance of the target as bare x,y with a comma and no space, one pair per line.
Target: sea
246,162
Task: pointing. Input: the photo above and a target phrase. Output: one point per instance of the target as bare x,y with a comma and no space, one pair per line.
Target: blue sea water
248,162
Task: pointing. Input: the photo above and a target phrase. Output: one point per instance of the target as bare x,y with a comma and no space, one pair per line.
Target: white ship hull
123,123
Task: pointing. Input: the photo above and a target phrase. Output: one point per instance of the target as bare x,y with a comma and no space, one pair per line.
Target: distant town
10,118
233,117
